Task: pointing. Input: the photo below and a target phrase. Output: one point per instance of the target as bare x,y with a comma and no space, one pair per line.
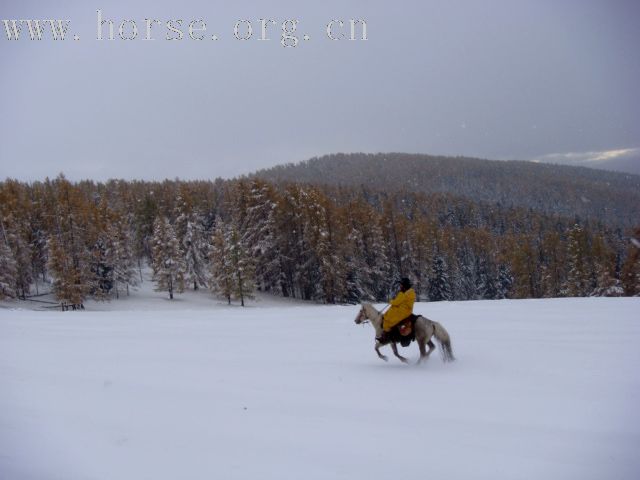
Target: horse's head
362,316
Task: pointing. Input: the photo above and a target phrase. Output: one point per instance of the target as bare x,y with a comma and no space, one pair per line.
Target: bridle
362,318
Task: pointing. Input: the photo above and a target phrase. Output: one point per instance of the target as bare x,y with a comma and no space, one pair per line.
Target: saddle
403,333
406,329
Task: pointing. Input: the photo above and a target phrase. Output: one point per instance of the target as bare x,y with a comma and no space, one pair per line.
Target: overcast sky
495,79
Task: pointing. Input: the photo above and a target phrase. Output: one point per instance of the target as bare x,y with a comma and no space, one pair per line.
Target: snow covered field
544,389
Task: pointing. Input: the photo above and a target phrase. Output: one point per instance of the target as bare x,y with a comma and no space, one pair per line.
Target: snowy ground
542,389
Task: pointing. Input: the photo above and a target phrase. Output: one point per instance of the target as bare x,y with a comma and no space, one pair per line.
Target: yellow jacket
401,308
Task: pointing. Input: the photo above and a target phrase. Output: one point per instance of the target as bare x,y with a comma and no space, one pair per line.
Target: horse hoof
386,359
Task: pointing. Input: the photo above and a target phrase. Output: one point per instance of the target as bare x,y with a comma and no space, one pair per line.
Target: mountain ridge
610,197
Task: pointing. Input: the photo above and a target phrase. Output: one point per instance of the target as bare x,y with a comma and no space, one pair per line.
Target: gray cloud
582,158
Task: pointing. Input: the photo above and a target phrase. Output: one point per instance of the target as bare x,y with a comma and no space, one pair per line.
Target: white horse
424,330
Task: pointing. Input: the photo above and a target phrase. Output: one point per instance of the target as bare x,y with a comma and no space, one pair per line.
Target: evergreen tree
298,264
630,274
102,250
577,284
439,285
15,240
464,284
221,279
232,268
524,268
124,261
69,258
242,268
604,281
195,248
553,265
421,238
183,215
146,212
380,276
168,264
504,282
38,249
102,268
70,285
393,234
8,271
486,281
326,262
259,235
366,262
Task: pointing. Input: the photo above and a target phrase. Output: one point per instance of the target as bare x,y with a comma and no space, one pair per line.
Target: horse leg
432,347
394,347
423,350
423,341
377,348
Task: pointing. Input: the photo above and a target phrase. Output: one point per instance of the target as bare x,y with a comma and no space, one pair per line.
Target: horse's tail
442,336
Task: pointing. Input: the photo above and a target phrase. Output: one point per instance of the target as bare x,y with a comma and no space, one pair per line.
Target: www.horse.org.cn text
288,33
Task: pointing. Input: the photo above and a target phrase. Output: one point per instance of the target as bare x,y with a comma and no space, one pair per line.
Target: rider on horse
401,307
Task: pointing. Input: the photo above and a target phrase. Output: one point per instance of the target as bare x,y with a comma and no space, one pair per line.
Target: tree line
335,244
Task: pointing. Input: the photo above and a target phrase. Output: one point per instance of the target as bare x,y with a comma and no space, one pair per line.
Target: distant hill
610,197
629,165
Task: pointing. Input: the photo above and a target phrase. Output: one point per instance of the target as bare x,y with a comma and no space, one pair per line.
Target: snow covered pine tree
168,264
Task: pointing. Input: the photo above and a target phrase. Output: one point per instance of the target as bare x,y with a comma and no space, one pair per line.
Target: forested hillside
324,243
611,197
